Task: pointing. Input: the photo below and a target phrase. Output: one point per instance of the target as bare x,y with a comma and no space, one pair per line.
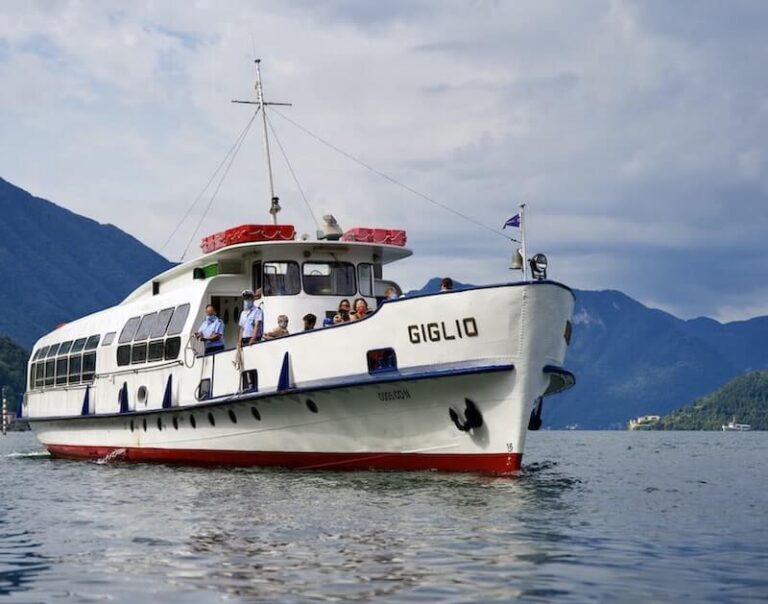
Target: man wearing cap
211,331
251,319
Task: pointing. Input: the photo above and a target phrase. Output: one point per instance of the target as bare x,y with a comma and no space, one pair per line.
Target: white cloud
630,130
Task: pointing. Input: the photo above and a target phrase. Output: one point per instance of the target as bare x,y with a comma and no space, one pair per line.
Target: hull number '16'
442,331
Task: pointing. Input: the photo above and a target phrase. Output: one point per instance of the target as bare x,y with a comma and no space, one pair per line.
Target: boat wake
28,455
112,456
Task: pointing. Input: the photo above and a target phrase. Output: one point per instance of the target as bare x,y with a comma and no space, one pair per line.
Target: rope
205,188
391,179
290,168
233,155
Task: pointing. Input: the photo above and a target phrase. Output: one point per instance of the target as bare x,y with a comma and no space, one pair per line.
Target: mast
274,201
522,237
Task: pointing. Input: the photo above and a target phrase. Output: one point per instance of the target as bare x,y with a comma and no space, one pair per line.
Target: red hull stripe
492,463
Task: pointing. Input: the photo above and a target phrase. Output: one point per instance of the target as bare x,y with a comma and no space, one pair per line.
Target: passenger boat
449,381
732,426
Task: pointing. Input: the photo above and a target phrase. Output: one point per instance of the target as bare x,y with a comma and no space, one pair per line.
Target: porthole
311,405
159,424
175,423
232,416
192,421
144,424
141,395
132,426
256,414
211,419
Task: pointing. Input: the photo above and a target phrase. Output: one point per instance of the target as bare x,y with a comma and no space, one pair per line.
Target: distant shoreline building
644,422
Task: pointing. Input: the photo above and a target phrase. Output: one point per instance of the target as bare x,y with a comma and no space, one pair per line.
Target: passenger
251,319
390,293
446,284
309,321
344,307
280,330
211,331
337,319
361,309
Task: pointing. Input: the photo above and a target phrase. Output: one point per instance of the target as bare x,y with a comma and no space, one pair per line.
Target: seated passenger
309,321
211,331
251,319
280,330
361,309
344,307
390,293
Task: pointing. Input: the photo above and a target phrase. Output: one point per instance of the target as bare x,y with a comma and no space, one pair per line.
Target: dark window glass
40,375
179,320
93,342
32,375
365,279
62,370
53,350
172,348
109,338
156,350
41,352
129,330
161,323
139,353
50,369
75,365
78,345
281,279
146,325
89,366
256,275
249,380
65,347
124,355
382,360
329,278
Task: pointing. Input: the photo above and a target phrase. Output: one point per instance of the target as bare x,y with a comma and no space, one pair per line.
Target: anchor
472,417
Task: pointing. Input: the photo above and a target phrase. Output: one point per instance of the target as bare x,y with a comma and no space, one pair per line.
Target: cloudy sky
635,131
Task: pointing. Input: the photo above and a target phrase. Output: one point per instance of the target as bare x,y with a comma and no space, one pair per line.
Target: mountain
744,398
13,364
631,360
58,266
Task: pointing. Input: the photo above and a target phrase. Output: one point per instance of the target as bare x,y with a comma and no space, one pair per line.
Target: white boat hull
318,405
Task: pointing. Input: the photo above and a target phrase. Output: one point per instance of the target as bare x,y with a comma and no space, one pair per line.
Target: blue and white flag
512,222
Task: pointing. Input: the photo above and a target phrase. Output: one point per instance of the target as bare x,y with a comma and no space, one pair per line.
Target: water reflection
20,560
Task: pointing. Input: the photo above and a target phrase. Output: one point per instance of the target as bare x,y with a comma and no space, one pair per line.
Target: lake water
595,516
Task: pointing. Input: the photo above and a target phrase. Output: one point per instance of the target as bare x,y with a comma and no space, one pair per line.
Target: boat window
146,325
381,360
329,278
50,368
65,347
156,350
161,323
32,376
124,355
53,350
92,343
281,279
62,370
139,353
78,345
172,348
179,320
75,364
365,279
129,330
40,352
89,366
109,338
256,275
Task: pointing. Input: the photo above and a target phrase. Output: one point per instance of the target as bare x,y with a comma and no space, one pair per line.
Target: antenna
274,201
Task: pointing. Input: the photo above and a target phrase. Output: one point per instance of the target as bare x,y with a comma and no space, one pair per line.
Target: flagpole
522,237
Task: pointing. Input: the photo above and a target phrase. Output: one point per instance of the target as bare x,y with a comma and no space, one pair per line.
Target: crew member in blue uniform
211,331
251,319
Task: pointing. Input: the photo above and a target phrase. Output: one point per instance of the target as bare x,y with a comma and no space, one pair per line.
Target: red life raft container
371,235
247,233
